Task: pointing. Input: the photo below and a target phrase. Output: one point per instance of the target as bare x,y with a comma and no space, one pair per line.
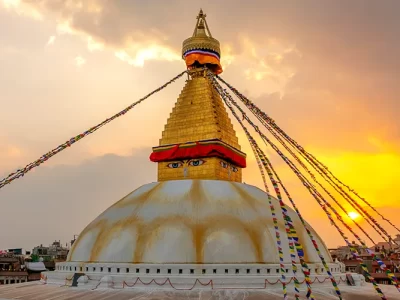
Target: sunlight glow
353,215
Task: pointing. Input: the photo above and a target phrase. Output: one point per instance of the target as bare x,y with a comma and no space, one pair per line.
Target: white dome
190,221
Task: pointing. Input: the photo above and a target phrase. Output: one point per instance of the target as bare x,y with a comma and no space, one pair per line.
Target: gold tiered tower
199,115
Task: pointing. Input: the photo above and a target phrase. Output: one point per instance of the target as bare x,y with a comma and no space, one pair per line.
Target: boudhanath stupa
199,232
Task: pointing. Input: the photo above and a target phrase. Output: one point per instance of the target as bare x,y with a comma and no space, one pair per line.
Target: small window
158,271
80,269
117,270
127,270
287,270
277,270
147,271
191,271
226,271
109,270
94,269
316,270
258,271
101,269
215,271
322,269
248,271
268,271
180,271
169,271
204,271
87,269
137,270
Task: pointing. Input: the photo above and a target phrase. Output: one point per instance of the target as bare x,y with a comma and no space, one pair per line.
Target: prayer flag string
323,203
21,172
318,197
260,167
382,266
255,110
316,181
287,220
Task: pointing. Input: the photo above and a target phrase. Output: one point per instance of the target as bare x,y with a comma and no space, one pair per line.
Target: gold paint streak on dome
251,229
298,226
245,196
92,226
196,193
256,238
148,233
139,200
199,235
198,199
107,233
141,237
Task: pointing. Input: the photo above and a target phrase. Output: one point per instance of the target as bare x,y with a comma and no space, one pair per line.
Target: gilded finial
201,25
202,48
201,14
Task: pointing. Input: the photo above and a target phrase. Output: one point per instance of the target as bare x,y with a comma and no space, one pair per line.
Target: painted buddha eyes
225,165
179,164
175,165
199,162
196,162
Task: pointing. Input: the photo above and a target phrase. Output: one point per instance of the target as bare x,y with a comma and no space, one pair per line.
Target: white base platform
40,291
189,276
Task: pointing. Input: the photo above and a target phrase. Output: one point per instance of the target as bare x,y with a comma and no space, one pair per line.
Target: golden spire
202,37
199,141
202,47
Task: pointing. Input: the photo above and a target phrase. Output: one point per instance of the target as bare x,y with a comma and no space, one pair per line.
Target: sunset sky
326,71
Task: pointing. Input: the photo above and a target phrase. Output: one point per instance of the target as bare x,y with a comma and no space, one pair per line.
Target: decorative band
212,148
202,51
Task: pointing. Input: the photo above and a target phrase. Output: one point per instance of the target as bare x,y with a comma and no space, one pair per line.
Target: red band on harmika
179,152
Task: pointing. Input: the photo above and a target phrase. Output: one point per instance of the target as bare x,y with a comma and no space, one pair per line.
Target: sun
353,215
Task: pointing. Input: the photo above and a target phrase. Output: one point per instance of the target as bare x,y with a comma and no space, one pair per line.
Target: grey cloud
345,31
356,38
57,202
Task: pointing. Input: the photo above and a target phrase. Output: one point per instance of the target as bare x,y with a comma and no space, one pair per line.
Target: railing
13,273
